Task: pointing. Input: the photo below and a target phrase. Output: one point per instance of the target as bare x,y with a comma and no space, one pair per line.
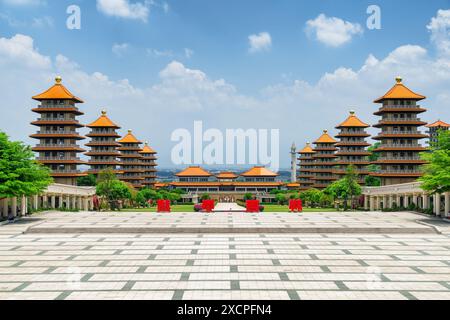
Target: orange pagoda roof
325,138
400,91
147,149
438,124
57,92
227,175
307,149
352,122
129,138
259,172
194,172
103,122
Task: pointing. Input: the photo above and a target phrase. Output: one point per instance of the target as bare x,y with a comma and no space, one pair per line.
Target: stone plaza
229,256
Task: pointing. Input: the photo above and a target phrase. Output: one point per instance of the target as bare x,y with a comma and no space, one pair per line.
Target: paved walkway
222,266
228,207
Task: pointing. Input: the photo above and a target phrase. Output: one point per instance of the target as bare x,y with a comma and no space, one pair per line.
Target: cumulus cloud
440,30
260,42
300,109
120,49
125,9
333,32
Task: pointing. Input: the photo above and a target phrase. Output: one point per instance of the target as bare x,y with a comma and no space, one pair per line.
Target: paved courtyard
269,266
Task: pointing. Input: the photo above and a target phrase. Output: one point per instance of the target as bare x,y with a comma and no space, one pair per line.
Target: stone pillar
61,201
74,203
5,207
425,201
53,202
45,201
68,203
398,200
3,213
366,202
85,204
35,202
91,204
414,200
14,207
447,204
391,201
385,202
23,206
80,203
437,204
372,203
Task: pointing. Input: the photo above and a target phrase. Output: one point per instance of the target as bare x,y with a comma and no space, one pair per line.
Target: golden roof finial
399,80
130,131
352,112
308,143
104,112
325,131
58,79
146,143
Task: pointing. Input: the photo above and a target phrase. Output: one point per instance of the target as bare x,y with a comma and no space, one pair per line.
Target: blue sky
266,83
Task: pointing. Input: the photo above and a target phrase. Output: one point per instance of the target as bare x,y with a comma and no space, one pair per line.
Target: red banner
164,206
208,205
253,206
296,205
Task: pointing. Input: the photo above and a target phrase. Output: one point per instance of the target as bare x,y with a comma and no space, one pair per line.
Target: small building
103,154
352,147
434,128
58,133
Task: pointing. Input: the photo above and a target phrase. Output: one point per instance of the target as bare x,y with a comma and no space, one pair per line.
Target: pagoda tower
352,147
400,135
103,145
149,166
306,167
324,161
131,160
58,134
434,128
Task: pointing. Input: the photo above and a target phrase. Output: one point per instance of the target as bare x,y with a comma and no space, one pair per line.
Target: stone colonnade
56,196
406,195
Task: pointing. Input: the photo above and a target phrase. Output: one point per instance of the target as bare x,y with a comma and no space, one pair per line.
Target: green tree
144,195
372,181
281,199
205,197
88,181
436,178
374,156
248,196
311,196
347,188
112,189
20,174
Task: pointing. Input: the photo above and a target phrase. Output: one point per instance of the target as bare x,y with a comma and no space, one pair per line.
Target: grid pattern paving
223,266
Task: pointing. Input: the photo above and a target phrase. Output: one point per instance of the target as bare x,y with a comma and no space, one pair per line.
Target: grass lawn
268,209
177,208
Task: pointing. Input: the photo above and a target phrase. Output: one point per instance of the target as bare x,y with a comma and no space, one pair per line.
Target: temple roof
325,138
259,172
194,172
307,149
103,122
57,92
438,124
352,122
147,149
400,91
129,138
227,175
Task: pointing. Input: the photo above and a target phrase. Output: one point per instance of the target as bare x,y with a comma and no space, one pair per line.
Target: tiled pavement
223,266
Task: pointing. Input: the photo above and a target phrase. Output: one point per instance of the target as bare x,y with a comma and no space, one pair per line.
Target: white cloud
188,53
120,49
301,110
260,42
125,9
333,32
160,53
440,30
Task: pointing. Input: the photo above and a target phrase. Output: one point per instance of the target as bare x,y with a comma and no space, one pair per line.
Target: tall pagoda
352,147
103,154
400,135
58,134
324,161
306,167
434,129
131,160
149,165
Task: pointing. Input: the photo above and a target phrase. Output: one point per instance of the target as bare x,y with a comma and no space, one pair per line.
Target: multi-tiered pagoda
324,161
131,160
434,129
103,154
149,166
352,147
306,167
400,135
58,134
